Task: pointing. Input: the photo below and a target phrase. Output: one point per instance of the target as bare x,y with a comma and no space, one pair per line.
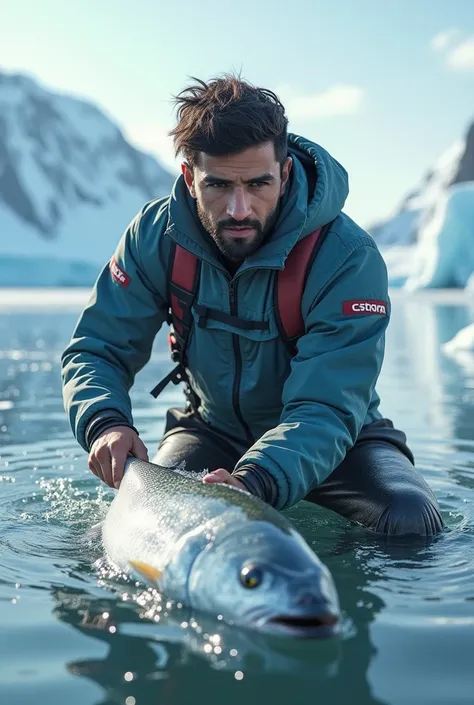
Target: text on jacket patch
118,274
349,308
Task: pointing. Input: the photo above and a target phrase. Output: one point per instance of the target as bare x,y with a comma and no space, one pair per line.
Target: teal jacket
302,413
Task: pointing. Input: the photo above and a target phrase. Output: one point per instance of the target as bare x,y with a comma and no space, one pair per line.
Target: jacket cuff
258,482
101,422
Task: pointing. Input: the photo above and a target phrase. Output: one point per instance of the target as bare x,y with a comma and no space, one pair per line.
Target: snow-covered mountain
429,240
69,185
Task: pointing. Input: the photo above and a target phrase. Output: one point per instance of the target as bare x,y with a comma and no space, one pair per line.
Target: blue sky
385,85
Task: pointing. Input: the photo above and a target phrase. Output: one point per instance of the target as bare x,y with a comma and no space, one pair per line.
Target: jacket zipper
238,362
235,341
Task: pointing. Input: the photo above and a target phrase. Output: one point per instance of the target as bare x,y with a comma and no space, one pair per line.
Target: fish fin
147,571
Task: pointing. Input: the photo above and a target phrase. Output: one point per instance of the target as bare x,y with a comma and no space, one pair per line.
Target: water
70,633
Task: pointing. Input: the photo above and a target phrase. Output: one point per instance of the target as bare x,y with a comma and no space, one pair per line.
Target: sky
385,85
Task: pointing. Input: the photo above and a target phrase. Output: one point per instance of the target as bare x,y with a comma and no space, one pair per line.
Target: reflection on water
150,662
72,635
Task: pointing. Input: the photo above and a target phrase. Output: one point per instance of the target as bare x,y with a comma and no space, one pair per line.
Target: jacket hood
318,188
327,182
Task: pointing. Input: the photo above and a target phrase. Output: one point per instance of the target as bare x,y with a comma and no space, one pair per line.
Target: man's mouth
244,231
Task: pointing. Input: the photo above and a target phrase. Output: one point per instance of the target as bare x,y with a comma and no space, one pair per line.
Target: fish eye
251,576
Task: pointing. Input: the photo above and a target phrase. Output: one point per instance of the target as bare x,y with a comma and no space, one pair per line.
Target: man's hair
226,116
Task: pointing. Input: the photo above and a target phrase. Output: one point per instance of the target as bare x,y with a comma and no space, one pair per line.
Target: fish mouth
304,626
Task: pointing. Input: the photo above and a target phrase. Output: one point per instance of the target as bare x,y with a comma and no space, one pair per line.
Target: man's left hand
225,477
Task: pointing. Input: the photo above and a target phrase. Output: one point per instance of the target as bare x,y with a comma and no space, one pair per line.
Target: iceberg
462,341
444,255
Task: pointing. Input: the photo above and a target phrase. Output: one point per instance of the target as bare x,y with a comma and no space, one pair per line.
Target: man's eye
258,184
216,185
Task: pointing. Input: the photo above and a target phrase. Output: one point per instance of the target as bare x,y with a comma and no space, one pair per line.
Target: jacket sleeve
113,338
327,394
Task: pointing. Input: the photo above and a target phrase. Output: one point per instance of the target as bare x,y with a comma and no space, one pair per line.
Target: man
284,424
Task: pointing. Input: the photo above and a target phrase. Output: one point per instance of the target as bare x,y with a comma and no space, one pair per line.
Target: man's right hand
110,451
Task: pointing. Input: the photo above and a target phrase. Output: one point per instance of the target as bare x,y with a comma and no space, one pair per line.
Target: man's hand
110,451
225,477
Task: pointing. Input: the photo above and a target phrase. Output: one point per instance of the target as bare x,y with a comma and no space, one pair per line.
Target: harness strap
183,281
204,313
184,270
289,287
175,376
183,284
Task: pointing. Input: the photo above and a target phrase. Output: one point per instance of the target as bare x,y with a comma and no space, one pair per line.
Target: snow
85,118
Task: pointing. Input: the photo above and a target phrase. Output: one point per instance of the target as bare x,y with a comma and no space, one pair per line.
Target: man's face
237,197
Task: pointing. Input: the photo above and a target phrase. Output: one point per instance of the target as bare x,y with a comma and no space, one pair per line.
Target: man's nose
238,206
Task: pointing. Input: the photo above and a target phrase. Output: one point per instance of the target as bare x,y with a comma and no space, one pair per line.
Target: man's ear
188,174
285,173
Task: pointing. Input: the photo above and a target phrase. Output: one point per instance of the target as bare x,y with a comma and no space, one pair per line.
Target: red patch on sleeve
118,274
358,308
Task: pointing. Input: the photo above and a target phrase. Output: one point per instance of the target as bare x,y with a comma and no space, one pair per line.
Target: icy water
71,635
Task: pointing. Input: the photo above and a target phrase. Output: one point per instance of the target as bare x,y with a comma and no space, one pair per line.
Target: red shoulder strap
183,282
290,285
183,285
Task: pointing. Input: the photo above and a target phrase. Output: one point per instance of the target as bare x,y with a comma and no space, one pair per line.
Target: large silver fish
218,549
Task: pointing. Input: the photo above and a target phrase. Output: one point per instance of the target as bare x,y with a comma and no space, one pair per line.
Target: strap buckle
176,376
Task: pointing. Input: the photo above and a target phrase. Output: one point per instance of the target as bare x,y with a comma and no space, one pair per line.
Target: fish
219,550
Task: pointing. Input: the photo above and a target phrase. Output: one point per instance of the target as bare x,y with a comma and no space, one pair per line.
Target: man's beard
237,249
